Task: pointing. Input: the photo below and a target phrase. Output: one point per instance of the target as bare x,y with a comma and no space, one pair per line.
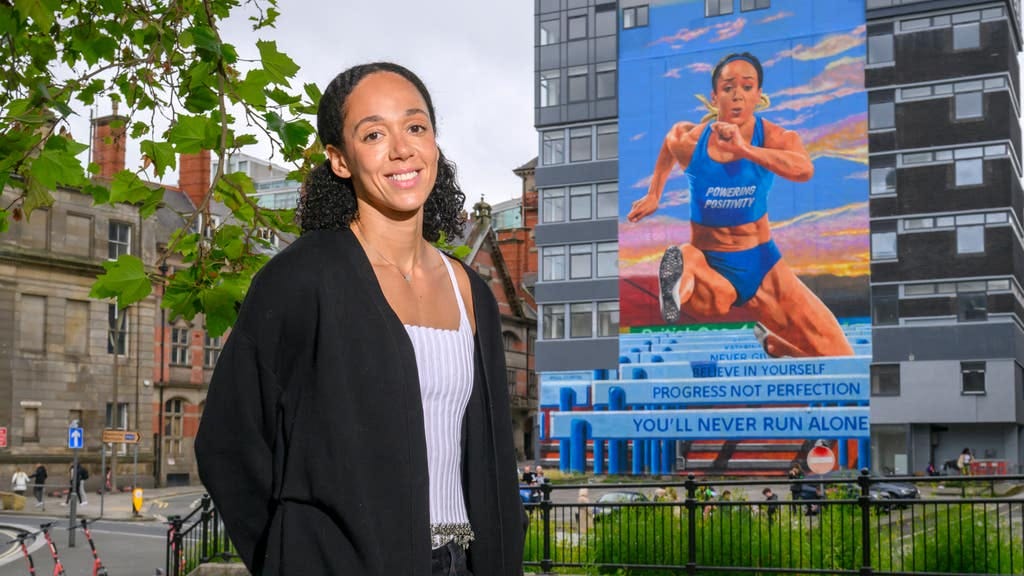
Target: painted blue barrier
756,390
727,424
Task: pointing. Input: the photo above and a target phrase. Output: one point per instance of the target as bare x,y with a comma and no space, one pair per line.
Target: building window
885,380
607,200
968,105
117,330
30,431
607,259
577,27
119,239
120,421
967,36
717,7
748,5
553,263
554,321
881,115
211,350
509,340
606,81
970,172
76,327
880,49
636,17
885,306
32,322
578,84
972,377
179,347
174,426
553,205
607,141
883,180
580,144
549,87
970,239
580,261
883,241
554,147
608,319
580,201
549,32
581,320
972,307
604,20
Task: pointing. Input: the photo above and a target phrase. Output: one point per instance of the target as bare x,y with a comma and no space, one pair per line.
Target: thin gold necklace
406,277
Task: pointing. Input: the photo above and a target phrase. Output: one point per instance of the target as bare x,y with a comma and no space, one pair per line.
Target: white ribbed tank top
444,360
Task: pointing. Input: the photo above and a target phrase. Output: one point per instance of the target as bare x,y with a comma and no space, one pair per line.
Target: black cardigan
312,442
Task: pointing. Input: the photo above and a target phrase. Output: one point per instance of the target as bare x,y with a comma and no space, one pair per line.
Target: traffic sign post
821,460
76,439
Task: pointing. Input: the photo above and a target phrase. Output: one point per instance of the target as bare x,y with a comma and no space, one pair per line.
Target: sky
476,58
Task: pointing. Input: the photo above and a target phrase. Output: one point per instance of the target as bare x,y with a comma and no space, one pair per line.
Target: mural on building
744,250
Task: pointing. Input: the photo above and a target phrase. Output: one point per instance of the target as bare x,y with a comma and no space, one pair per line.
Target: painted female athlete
731,261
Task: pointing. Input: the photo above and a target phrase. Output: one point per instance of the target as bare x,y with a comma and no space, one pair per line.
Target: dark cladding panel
931,188
926,123
928,55
932,255
976,341
918,307
886,206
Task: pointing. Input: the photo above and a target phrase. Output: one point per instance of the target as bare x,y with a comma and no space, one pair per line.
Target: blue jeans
449,560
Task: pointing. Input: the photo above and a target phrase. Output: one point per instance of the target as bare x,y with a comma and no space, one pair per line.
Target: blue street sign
76,437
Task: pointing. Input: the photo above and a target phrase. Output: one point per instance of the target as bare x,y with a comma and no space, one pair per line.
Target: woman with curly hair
358,420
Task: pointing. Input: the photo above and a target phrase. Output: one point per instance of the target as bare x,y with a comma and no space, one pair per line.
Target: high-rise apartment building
576,51
947,249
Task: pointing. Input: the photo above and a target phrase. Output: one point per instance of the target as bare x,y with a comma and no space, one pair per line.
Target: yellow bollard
137,501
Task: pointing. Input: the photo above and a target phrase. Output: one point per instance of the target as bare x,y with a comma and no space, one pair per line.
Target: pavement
115,506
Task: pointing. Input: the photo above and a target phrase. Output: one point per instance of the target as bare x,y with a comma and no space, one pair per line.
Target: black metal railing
855,524
195,539
841,525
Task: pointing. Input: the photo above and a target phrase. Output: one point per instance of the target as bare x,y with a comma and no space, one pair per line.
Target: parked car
616,498
898,491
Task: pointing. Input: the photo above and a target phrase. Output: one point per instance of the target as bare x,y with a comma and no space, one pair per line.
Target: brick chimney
108,143
194,175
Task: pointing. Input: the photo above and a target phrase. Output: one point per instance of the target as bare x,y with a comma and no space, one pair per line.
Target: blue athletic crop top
727,194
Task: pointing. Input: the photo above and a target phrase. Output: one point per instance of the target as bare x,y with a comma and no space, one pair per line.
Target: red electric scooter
98,569
23,540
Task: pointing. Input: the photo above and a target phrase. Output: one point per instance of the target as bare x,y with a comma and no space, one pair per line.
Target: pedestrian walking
963,462
358,420
19,481
39,481
76,478
773,502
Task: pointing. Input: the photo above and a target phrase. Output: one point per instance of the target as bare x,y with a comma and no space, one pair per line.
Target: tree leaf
181,295
190,134
128,187
3,221
149,207
251,91
219,308
279,66
294,135
201,99
206,43
125,279
40,11
36,196
162,155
